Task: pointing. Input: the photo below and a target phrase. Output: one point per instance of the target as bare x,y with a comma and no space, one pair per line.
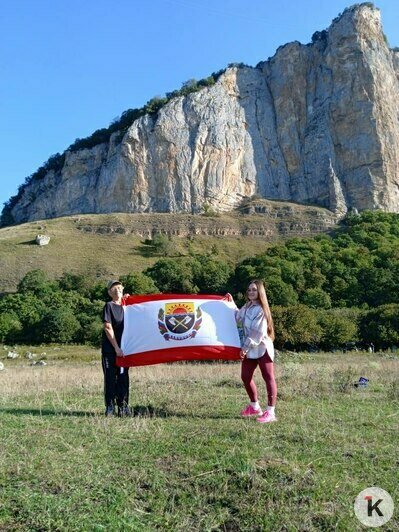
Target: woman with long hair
257,350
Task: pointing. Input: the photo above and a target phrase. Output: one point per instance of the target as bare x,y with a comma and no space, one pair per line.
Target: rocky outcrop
259,218
315,124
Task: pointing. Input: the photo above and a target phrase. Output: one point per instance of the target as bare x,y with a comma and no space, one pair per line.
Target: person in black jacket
116,380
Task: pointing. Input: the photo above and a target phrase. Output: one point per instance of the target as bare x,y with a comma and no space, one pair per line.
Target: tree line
326,292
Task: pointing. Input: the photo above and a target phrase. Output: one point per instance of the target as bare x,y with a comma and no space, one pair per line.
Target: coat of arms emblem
179,320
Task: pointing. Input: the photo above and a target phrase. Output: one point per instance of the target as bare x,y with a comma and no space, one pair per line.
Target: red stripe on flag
159,356
132,300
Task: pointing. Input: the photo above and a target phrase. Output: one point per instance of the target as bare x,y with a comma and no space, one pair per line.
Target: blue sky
69,67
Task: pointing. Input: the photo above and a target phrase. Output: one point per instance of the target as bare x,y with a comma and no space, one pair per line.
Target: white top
256,339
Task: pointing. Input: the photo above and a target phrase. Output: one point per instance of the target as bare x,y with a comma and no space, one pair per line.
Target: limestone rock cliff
315,124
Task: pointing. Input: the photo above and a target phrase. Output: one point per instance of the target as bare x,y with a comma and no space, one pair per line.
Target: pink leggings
248,367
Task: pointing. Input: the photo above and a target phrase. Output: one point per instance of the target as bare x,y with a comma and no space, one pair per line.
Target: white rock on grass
1,366
12,354
42,240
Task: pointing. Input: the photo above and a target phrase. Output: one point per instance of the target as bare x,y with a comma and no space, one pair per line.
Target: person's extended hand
125,298
119,352
243,354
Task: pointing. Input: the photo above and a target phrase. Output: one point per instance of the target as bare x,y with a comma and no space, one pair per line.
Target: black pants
116,384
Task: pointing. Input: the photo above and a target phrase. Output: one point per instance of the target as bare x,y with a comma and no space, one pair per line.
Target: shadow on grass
46,412
144,411
28,243
151,411
145,250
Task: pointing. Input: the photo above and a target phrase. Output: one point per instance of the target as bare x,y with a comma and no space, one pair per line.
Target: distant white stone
1,366
39,363
29,355
42,240
12,354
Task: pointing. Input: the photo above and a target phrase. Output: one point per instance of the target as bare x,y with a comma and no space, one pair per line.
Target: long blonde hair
264,303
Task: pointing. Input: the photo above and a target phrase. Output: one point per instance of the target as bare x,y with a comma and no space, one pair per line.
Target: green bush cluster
326,292
61,311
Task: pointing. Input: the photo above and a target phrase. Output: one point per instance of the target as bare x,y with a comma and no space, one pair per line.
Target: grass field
186,461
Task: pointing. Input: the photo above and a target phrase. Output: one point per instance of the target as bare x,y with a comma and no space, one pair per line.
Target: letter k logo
371,507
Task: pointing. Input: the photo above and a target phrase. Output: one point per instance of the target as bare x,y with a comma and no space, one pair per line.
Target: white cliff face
315,124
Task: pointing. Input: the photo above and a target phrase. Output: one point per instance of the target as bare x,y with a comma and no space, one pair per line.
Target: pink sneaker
251,411
267,417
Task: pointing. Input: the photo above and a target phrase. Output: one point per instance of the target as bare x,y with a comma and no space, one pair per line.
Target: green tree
174,275
59,325
380,326
316,298
212,275
36,282
339,327
279,292
10,327
380,285
163,245
99,291
29,310
72,282
139,283
155,104
296,327
90,330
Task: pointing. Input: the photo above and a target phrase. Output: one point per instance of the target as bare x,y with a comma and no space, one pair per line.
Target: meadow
186,460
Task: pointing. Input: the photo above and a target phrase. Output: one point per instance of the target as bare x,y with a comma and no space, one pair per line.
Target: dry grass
303,374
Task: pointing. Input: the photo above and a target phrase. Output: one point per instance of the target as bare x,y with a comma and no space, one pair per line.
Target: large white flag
169,327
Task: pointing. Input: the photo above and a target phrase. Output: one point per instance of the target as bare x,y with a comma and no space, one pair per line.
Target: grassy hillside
186,460
110,245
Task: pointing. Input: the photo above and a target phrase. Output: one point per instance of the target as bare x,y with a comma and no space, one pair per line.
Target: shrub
174,275
344,379
212,275
209,211
296,327
71,282
36,282
59,325
10,327
380,326
139,283
163,245
91,331
339,328
316,298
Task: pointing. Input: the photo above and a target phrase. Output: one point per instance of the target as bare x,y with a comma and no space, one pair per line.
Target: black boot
110,411
124,411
